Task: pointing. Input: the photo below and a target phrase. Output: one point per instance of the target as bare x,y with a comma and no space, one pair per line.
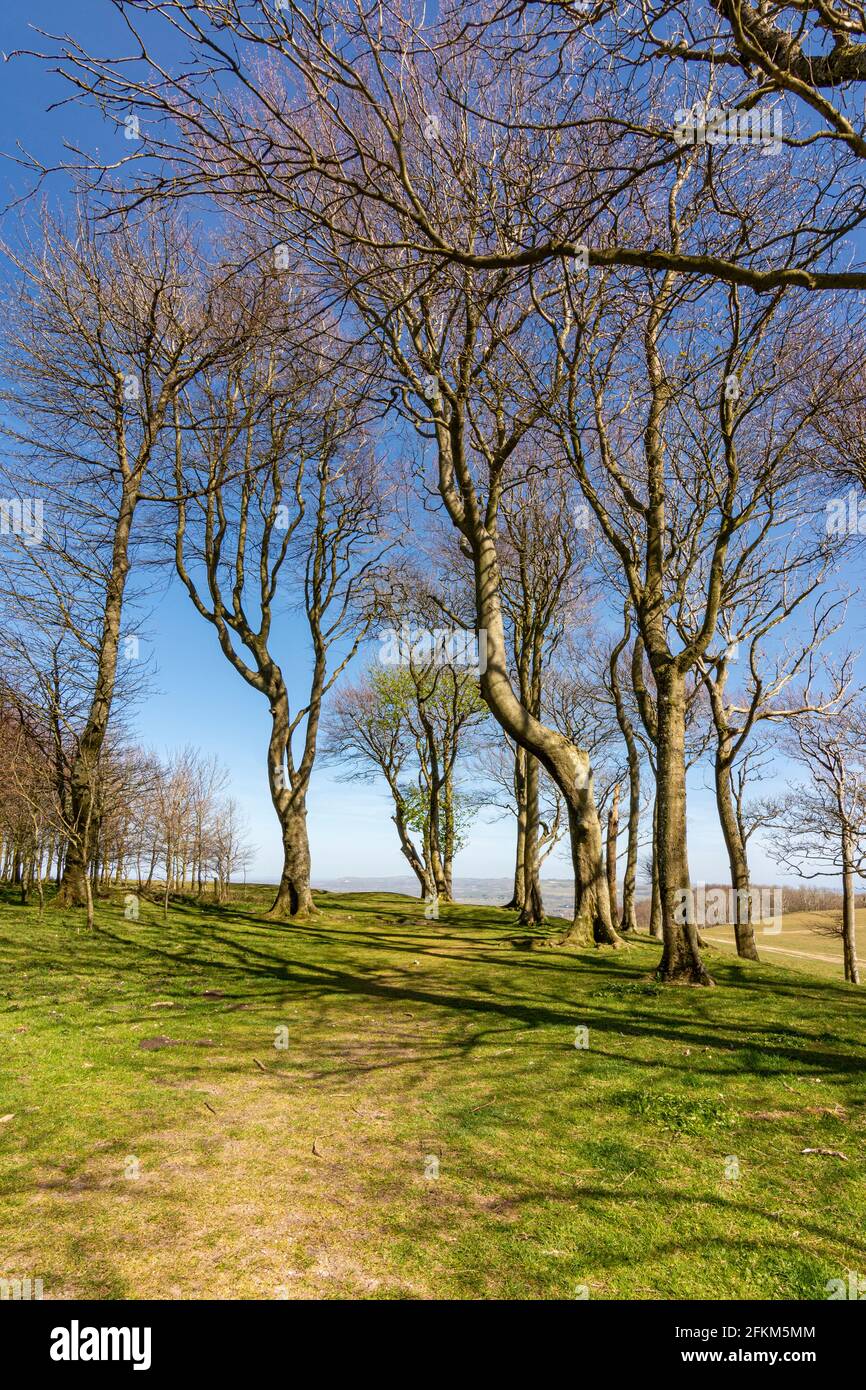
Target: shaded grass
212,1163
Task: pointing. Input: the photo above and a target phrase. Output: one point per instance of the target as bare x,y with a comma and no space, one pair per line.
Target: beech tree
625,720
278,497
770,592
660,426
595,76
410,724
820,826
105,325
543,560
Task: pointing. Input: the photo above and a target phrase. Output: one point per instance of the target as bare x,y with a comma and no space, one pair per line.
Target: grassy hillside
148,1049
808,941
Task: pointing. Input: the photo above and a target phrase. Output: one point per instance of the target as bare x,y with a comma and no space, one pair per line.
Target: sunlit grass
211,1163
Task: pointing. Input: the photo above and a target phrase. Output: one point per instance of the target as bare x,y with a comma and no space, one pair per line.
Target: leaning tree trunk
681,959
408,850
737,859
567,764
592,921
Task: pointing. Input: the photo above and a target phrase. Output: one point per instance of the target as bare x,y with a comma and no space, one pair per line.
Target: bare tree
770,592
230,849
278,496
542,567
616,81
661,428
104,327
820,826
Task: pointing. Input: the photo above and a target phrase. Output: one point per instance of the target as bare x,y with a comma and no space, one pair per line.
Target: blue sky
350,826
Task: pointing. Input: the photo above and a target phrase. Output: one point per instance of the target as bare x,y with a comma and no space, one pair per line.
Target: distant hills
558,892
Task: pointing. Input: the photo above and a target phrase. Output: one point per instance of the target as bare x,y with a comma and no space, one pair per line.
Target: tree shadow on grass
250,965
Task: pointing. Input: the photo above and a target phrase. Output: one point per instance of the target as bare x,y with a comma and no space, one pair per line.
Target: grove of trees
428,325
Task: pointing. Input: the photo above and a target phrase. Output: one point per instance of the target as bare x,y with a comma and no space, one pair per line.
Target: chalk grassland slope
429,1129
807,941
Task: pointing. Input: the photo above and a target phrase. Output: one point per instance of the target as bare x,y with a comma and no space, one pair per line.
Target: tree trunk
40,890
448,848
152,867
519,893
168,853
849,939
592,919
49,858
294,897
88,902
438,868
73,891
629,882
26,883
532,910
655,899
628,921
737,858
612,837
408,850
568,765
681,960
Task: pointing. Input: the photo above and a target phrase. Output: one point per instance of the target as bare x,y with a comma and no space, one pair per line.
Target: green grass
807,941
266,1173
